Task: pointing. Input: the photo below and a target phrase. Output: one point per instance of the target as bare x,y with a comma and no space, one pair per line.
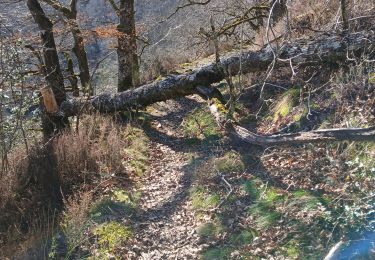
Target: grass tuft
285,105
201,125
230,162
111,236
211,230
202,199
137,150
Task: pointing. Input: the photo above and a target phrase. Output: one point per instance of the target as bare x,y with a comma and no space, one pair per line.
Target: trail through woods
165,224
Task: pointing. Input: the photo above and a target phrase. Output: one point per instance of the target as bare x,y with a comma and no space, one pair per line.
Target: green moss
292,250
110,208
267,219
305,200
285,105
137,149
300,115
252,188
202,199
272,195
160,78
121,196
126,198
187,65
315,105
244,238
231,162
361,157
140,117
200,124
265,215
220,106
111,236
371,78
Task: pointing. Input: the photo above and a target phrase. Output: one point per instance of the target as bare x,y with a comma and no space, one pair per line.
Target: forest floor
165,224
204,196
168,183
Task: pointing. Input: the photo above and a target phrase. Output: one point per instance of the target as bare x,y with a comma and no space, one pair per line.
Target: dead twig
230,191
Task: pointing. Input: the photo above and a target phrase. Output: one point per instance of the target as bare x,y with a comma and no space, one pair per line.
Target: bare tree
52,71
344,14
70,14
128,67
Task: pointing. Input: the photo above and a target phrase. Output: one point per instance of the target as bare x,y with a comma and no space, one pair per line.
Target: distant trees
128,67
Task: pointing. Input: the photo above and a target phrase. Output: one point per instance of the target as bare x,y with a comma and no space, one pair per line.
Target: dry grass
96,148
158,68
75,220
73,162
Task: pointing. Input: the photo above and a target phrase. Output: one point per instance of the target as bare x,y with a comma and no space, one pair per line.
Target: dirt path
165,225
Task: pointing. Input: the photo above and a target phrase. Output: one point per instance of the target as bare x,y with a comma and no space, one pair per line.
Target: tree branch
114,6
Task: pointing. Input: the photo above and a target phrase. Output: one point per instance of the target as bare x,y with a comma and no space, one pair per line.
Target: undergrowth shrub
97,147
38,181
75,220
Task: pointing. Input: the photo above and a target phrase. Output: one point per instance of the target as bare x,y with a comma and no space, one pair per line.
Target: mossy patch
273,195
125,197
202,199
220,106
361,157
111,236
139,118
137,150
264,209
305,200
244,238
265,215
110,209
371,78
230,162
286,103
252,188
292,249
300,114
201,125
160,78
208,171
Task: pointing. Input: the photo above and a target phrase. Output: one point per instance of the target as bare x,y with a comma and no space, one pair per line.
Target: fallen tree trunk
325,49
322,135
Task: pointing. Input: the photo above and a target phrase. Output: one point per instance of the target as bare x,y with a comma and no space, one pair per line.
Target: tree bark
344,14
80,52
128,67
72,77
53,75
